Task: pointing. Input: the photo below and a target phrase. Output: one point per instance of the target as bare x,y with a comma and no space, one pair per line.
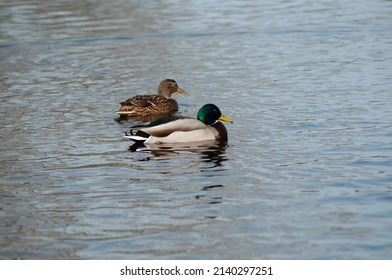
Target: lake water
306,174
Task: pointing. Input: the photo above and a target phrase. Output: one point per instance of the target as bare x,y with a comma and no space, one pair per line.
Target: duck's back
173,124
148,105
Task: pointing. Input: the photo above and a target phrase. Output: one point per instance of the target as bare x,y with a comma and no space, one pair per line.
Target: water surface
307,171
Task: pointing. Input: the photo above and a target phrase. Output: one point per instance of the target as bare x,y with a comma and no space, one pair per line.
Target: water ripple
306,172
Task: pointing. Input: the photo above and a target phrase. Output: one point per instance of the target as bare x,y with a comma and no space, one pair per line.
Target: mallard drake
147,106
177,129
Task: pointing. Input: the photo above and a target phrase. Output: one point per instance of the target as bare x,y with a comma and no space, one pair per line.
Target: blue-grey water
307,172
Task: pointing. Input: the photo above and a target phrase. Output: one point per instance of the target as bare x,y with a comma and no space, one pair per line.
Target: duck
149,107
178,129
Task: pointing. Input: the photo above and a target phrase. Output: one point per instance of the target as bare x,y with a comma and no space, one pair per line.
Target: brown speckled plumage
150,107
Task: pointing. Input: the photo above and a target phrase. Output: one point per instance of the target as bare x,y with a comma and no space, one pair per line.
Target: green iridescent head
210,113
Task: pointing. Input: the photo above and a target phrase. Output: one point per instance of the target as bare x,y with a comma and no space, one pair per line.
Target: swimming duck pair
172,129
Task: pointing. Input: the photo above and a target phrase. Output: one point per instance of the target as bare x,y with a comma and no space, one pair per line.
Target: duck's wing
143,101
166,126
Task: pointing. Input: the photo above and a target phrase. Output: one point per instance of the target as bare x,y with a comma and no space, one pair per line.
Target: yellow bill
225,119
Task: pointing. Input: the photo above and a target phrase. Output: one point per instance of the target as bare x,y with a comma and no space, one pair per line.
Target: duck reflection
210,156
209,152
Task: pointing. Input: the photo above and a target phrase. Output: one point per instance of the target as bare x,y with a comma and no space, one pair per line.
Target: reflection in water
308,172
211,199
206,188
209,152
196,162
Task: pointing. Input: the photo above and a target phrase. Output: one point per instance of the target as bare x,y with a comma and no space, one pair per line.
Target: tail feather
136,135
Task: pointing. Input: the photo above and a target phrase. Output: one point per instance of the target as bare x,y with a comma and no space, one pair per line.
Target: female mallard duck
178,129
147,106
